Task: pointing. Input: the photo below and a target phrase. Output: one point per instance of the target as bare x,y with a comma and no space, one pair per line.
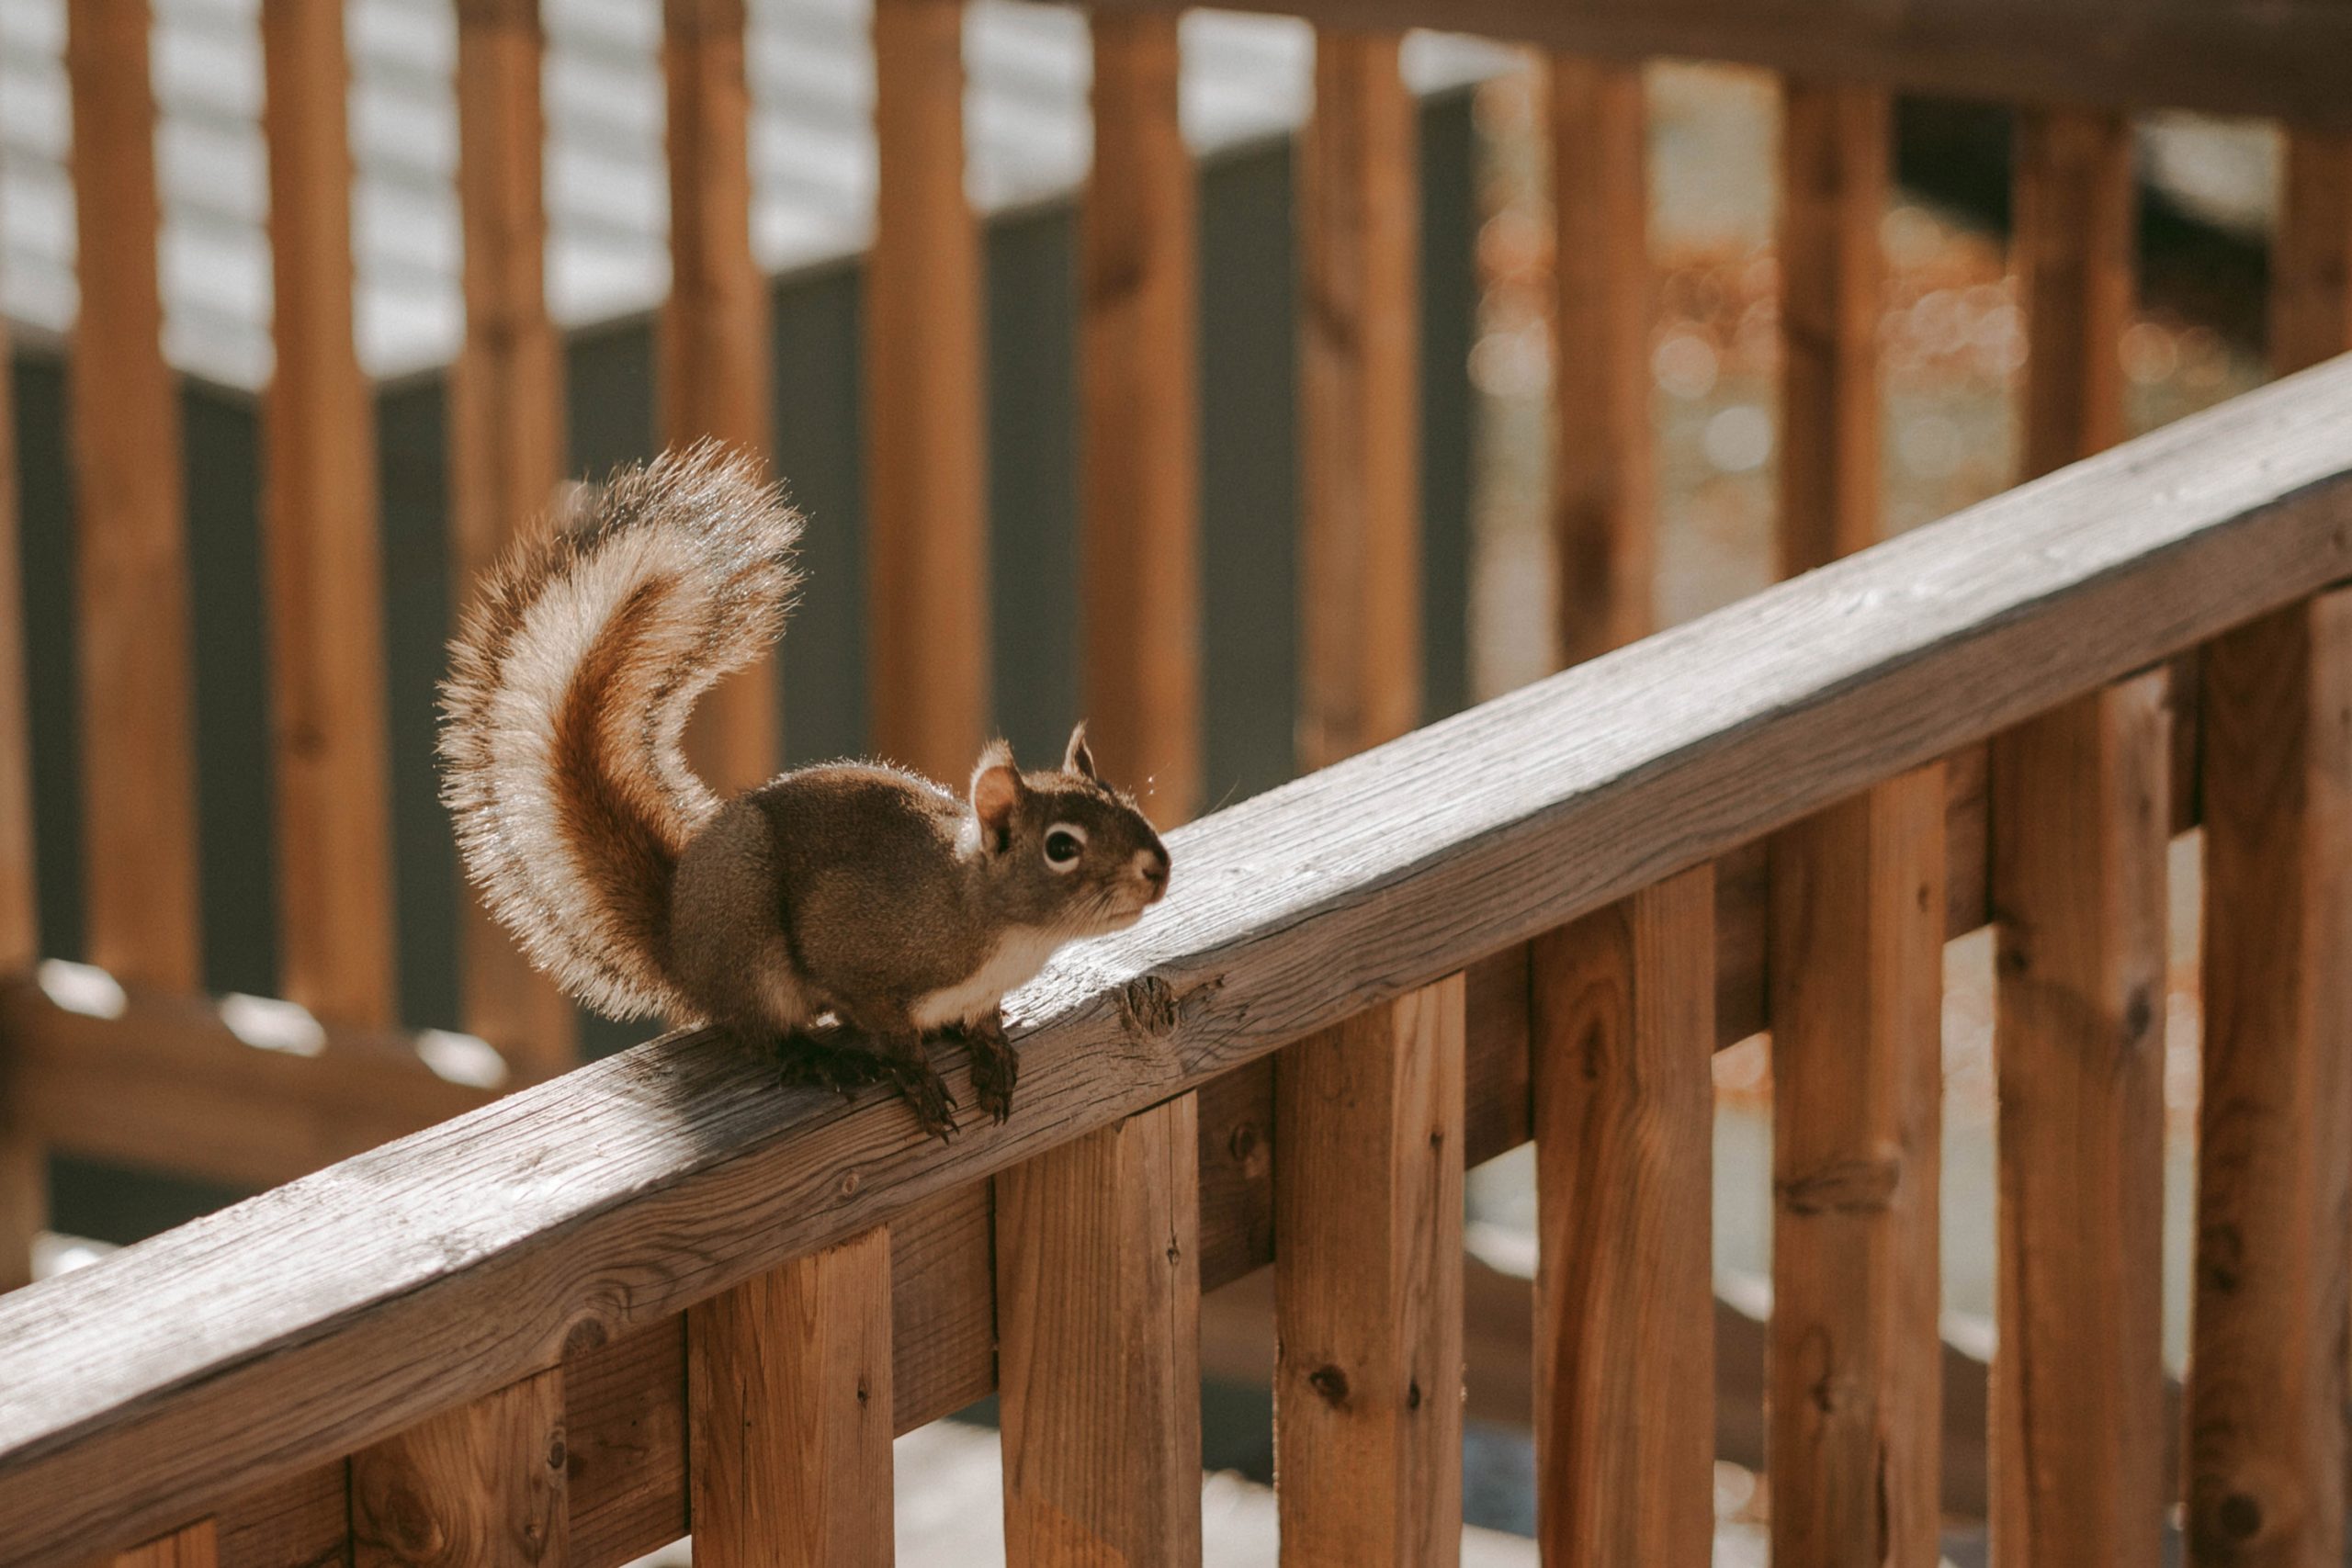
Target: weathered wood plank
622,1192
1098,1308
625,1429
788,1383
928,639
303,1520
1856,953
506,427
329,744
2273,1277
1368,1287
196,1546
2074,196
130,526
1604,489
2237,57
2311,258
1624,1117
481,1484
1834,149
714,337
2080,855
1358,566
24,1186
1140,372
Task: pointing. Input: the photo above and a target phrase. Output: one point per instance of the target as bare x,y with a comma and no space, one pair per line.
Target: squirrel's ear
997,788
1078,758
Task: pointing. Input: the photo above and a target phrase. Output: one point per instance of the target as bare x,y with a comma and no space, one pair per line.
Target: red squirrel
855,889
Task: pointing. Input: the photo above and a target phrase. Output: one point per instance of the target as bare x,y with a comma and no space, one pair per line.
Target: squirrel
856,890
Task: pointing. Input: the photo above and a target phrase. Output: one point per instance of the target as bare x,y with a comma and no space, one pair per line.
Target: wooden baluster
1098,1319
506,428
325,576
23,1185
1139,360
1855,951
2080,827
1604,489
2266,1375
1368,1287
715,338
1360,614
483,1484
928,560
1623,1033
788,1401
130,533
197,1546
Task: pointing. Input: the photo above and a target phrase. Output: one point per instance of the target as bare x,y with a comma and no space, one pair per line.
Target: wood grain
24,1183
2311,255
481,1486
789,1380
927,562
620,1193
1604,489
327,715
130,526
1856,953
1623,1030
1098,1295
714,337
1359,216
2080,854
2236,57
2273,1278
196,1546
1139,372
1368,1287
2072,252
506,429
1833,150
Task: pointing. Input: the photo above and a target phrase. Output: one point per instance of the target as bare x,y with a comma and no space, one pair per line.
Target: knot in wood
1148,1006
1330,1382
1862,1186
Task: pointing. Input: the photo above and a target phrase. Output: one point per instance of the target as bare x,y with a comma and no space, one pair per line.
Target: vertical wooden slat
1604,488
928,566
1834,168
1368,1287
2081,837
132,610
1359,616
1098,1325
481,1484
788,1399
506,426
715,328
2266,1382
2080,827
24,1196
197,1546
325,572
1855,954
1621,1036
1139,363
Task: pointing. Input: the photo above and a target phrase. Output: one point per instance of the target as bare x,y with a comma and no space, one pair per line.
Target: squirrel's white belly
1020,953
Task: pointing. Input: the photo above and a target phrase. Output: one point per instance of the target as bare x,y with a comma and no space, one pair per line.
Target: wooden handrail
318,1318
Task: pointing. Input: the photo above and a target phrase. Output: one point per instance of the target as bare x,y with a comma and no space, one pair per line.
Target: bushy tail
569,689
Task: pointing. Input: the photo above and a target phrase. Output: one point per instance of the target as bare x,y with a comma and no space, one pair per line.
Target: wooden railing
513,1330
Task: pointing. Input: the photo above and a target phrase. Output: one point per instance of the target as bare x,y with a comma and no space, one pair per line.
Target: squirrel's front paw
994,1069
927,1096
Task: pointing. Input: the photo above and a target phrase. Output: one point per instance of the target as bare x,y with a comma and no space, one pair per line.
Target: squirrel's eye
1064,844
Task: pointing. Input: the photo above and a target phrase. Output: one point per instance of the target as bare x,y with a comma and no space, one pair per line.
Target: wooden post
2266,1374
197,1546
714,330
1359,616
1604,489
23,1187
2080,827
130,526
1855,946
326,594
506,428
788,1399
1098,1323
1139,363
926,472
1368,1288
1622,1035
481,1484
